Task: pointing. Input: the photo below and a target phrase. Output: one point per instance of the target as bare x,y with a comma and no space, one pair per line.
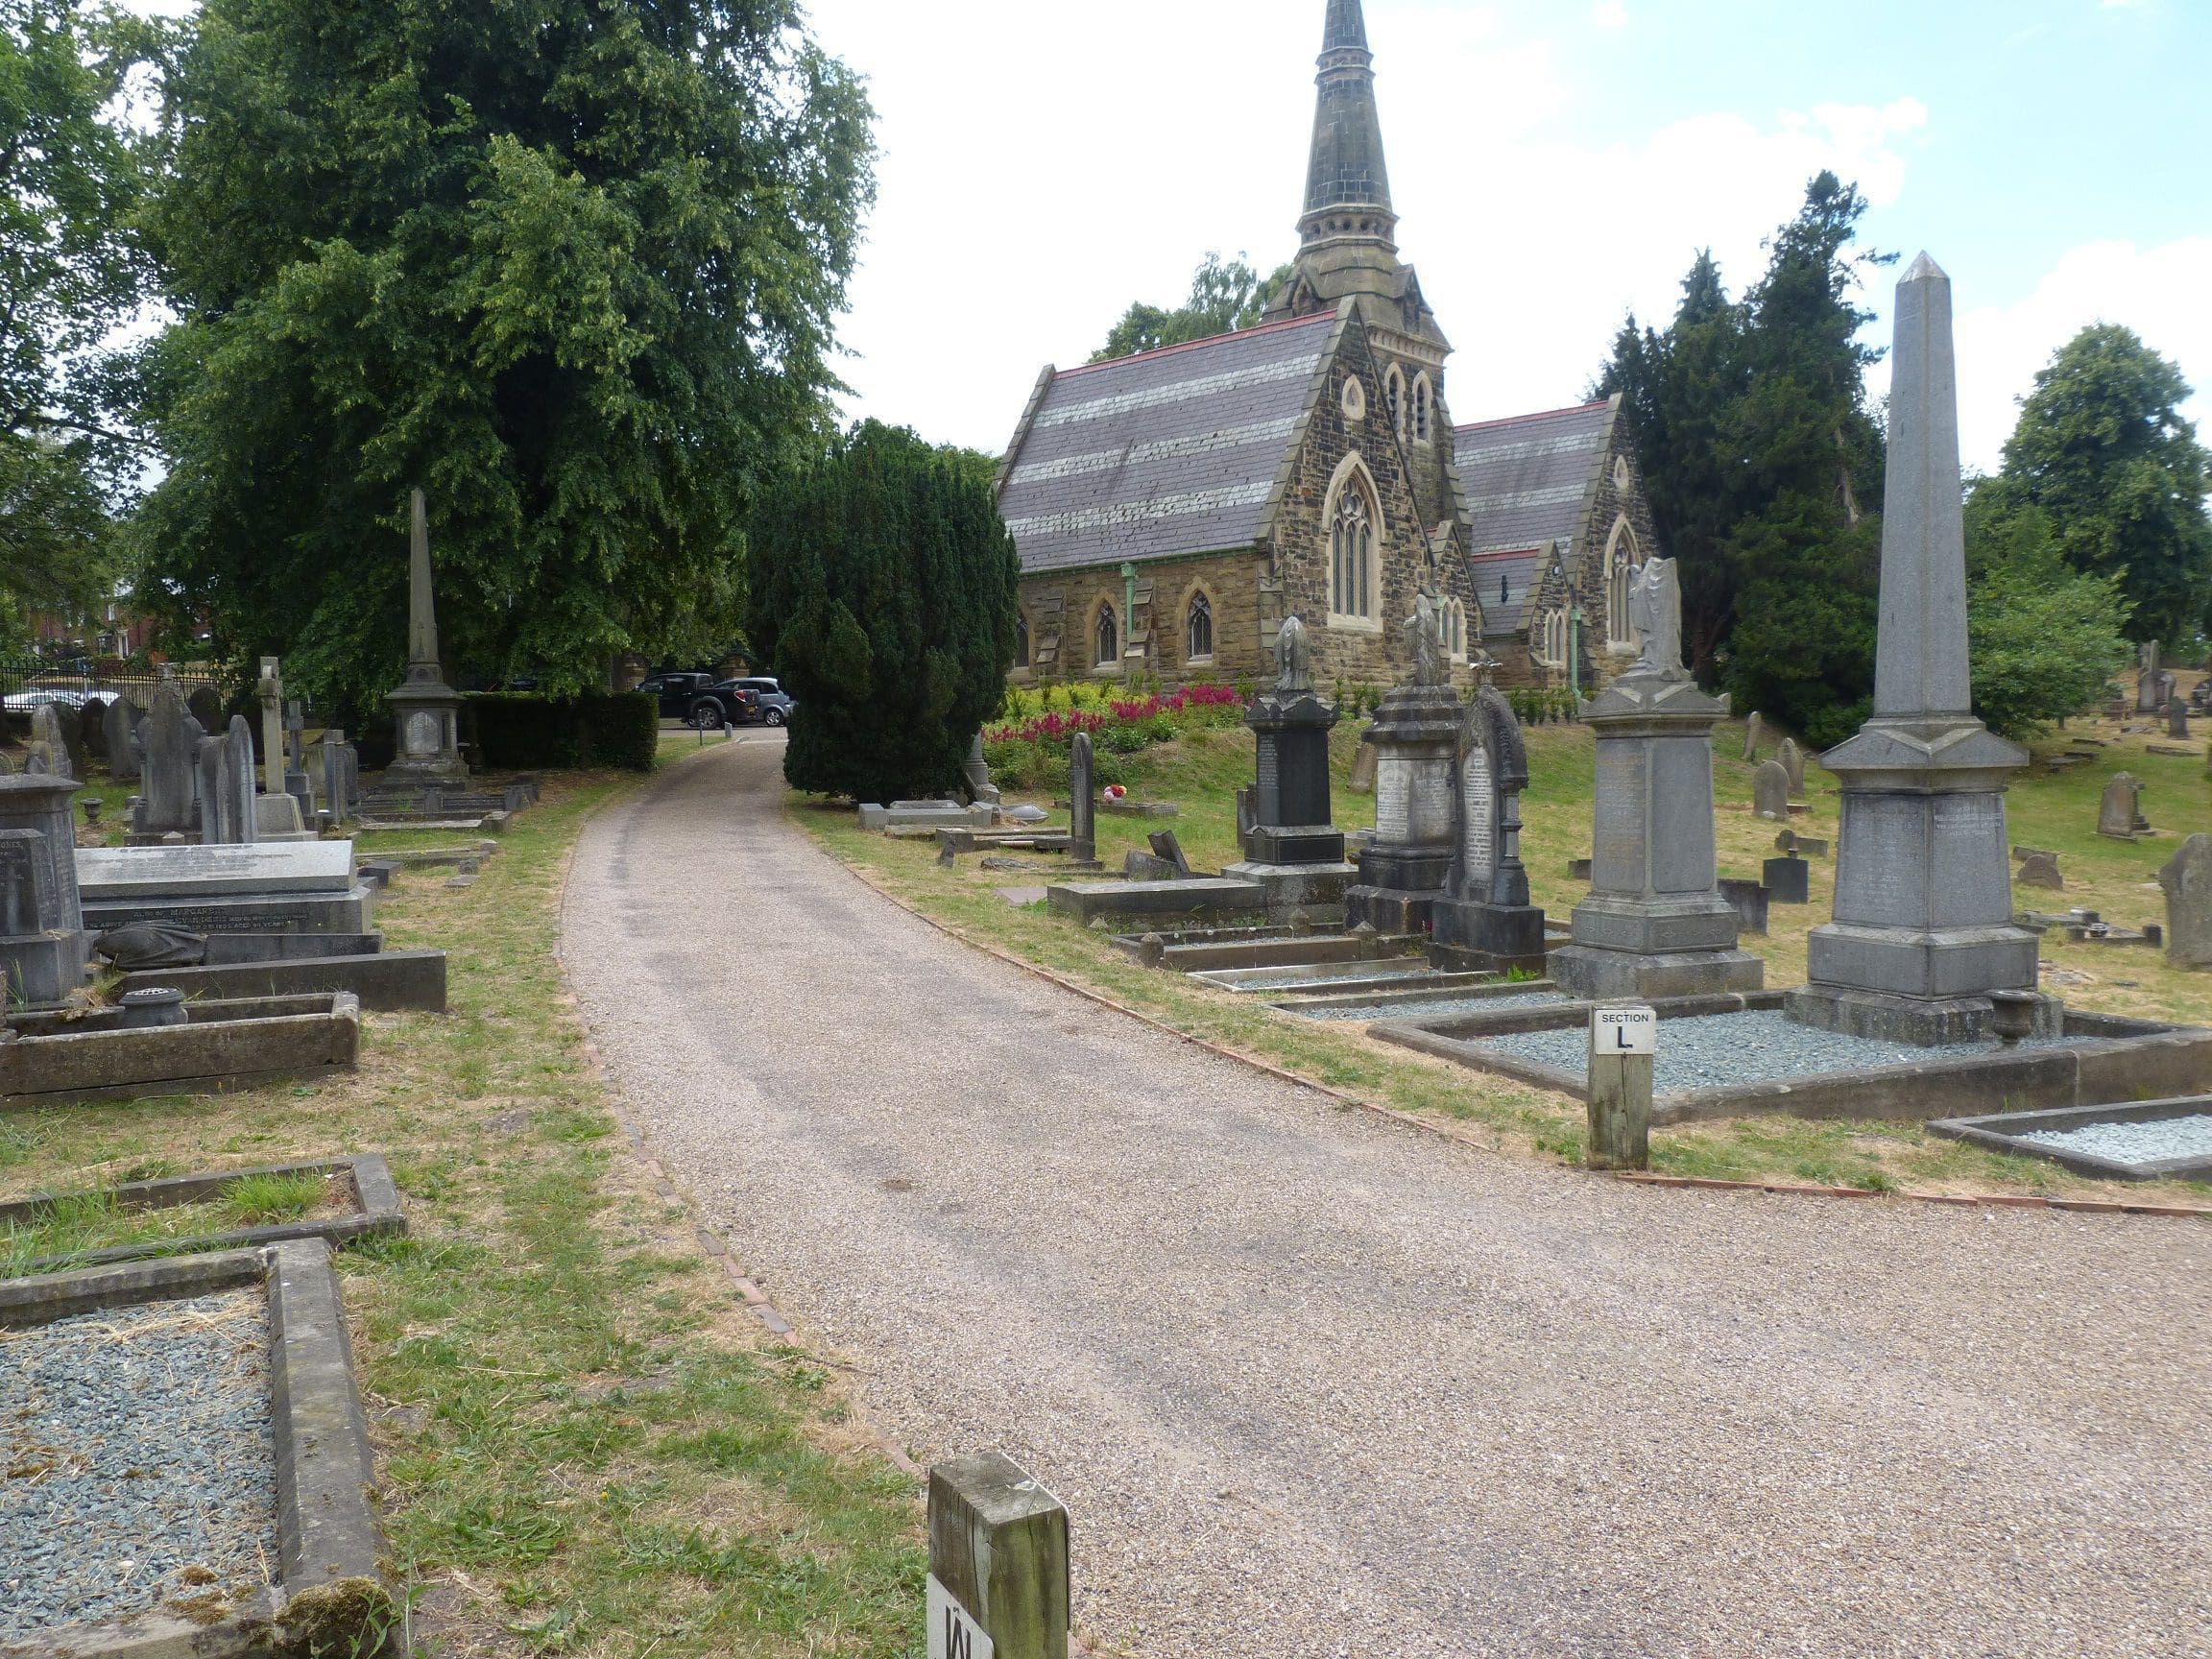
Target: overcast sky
1554,165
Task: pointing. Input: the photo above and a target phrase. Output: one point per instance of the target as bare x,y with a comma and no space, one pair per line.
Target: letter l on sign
953,1633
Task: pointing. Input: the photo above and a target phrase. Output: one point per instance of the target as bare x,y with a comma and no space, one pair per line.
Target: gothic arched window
1352,552
1108,634
1620,560
1394,393
1021,640
1198,627
1422,402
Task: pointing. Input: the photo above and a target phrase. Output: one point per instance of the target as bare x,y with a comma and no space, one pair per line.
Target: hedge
518,733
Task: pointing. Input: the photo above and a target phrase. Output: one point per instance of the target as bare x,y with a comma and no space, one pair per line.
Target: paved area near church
1313,1384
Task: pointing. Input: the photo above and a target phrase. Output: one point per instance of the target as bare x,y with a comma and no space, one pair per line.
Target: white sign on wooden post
954,1634
1623,1031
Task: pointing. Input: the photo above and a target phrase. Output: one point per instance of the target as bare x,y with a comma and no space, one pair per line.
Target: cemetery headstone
121,722
1770,791
207,708
1789,881
1792,760
1753,731
211,779
44,948
297,782
240,823
1924,782
2187,881
2041,870
1750,899
977,771
1166,846
338,774
2178,720
93,728
2121,808
56,731
272,692
1083,801
426,711
1416,736
2147,682
1656,922
171,744
1484,921
1362,780
1293,849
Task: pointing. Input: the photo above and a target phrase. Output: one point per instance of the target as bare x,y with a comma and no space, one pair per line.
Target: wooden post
998,1563
1623,1051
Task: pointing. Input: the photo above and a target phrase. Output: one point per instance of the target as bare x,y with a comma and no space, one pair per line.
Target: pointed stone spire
421,602
1921,662
1347,180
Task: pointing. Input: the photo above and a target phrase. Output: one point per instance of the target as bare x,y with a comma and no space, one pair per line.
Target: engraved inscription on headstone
19,873
1393,797
1480,813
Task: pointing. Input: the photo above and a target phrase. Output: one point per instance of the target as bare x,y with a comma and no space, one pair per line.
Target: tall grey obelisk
425,711
1923,927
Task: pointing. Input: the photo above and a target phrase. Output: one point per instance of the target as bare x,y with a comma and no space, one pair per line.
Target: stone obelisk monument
1923,930
425,711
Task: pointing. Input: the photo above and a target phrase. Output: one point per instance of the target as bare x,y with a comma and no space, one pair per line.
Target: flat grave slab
347,910
2141,1140
1199,898
222,1048
1206,949
105,875
1407,972
1736,1056
361,1201
1435,1003
383,983
224,1512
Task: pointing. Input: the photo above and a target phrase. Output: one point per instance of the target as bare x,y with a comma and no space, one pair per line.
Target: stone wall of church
1591,577
1063,606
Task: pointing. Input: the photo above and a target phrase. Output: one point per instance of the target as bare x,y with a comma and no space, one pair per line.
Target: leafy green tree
1760,460
1225,294
72,175
883,590
2102,451
2048,640
572,266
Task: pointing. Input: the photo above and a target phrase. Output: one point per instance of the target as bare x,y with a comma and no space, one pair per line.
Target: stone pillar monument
1923,927
44,947
1292,849
425,711
1416,737
1483,922
1655,923
272,693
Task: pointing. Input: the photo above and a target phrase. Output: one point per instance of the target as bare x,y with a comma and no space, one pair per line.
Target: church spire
1347,181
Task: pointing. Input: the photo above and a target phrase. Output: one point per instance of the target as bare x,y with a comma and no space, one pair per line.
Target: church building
1172,508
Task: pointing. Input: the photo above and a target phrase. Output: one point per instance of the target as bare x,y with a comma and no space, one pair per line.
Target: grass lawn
1201,773
584,1445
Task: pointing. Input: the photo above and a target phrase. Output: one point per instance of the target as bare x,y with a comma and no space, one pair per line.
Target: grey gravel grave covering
1719,1052
1332,1009
141,1463
2138,1140
2167,1141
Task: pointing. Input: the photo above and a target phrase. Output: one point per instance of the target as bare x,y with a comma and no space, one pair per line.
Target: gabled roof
1165,453
1528,479
1505,579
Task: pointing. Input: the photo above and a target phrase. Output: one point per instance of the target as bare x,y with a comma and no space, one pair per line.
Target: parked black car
700,699
772,705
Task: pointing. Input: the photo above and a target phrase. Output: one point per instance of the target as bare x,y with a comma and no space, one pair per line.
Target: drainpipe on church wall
1574,622
1128,613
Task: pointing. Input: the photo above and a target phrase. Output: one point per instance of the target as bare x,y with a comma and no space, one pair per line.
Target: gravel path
140,1471
1313,1385
1717,1050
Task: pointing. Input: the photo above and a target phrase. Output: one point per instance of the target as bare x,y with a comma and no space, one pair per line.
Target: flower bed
1031,751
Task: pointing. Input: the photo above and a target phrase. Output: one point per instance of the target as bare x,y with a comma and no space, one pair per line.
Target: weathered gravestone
977,772
92,729
170,743
2147,682
2041,870
425,711
2188,883
1770,791
1922,947
2120,811
54,730
1789,881
276,818
1793,762
297,782
1416,737
271,690
1483,922
44,949
240,821
1293,850
1082,801
121,722
1167,847
1753,731
207,708
1656,922
341,776
1362,780
209,774
2178,720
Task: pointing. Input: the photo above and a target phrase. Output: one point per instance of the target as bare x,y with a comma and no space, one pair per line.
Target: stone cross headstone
239,820
271,691
207,708
122,720
2119,810
1792,760
1083,801
1770,791
2178,720
1753,731
2041,870
2188,883
170,739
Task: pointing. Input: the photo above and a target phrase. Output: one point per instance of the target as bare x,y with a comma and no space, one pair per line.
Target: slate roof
1503,580
1165,453
1527,479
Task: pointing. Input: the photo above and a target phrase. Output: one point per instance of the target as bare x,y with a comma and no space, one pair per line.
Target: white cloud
2158,292
1612,14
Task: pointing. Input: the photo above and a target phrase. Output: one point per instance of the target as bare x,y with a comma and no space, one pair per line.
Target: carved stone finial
1424,635
1655,610
1293,657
